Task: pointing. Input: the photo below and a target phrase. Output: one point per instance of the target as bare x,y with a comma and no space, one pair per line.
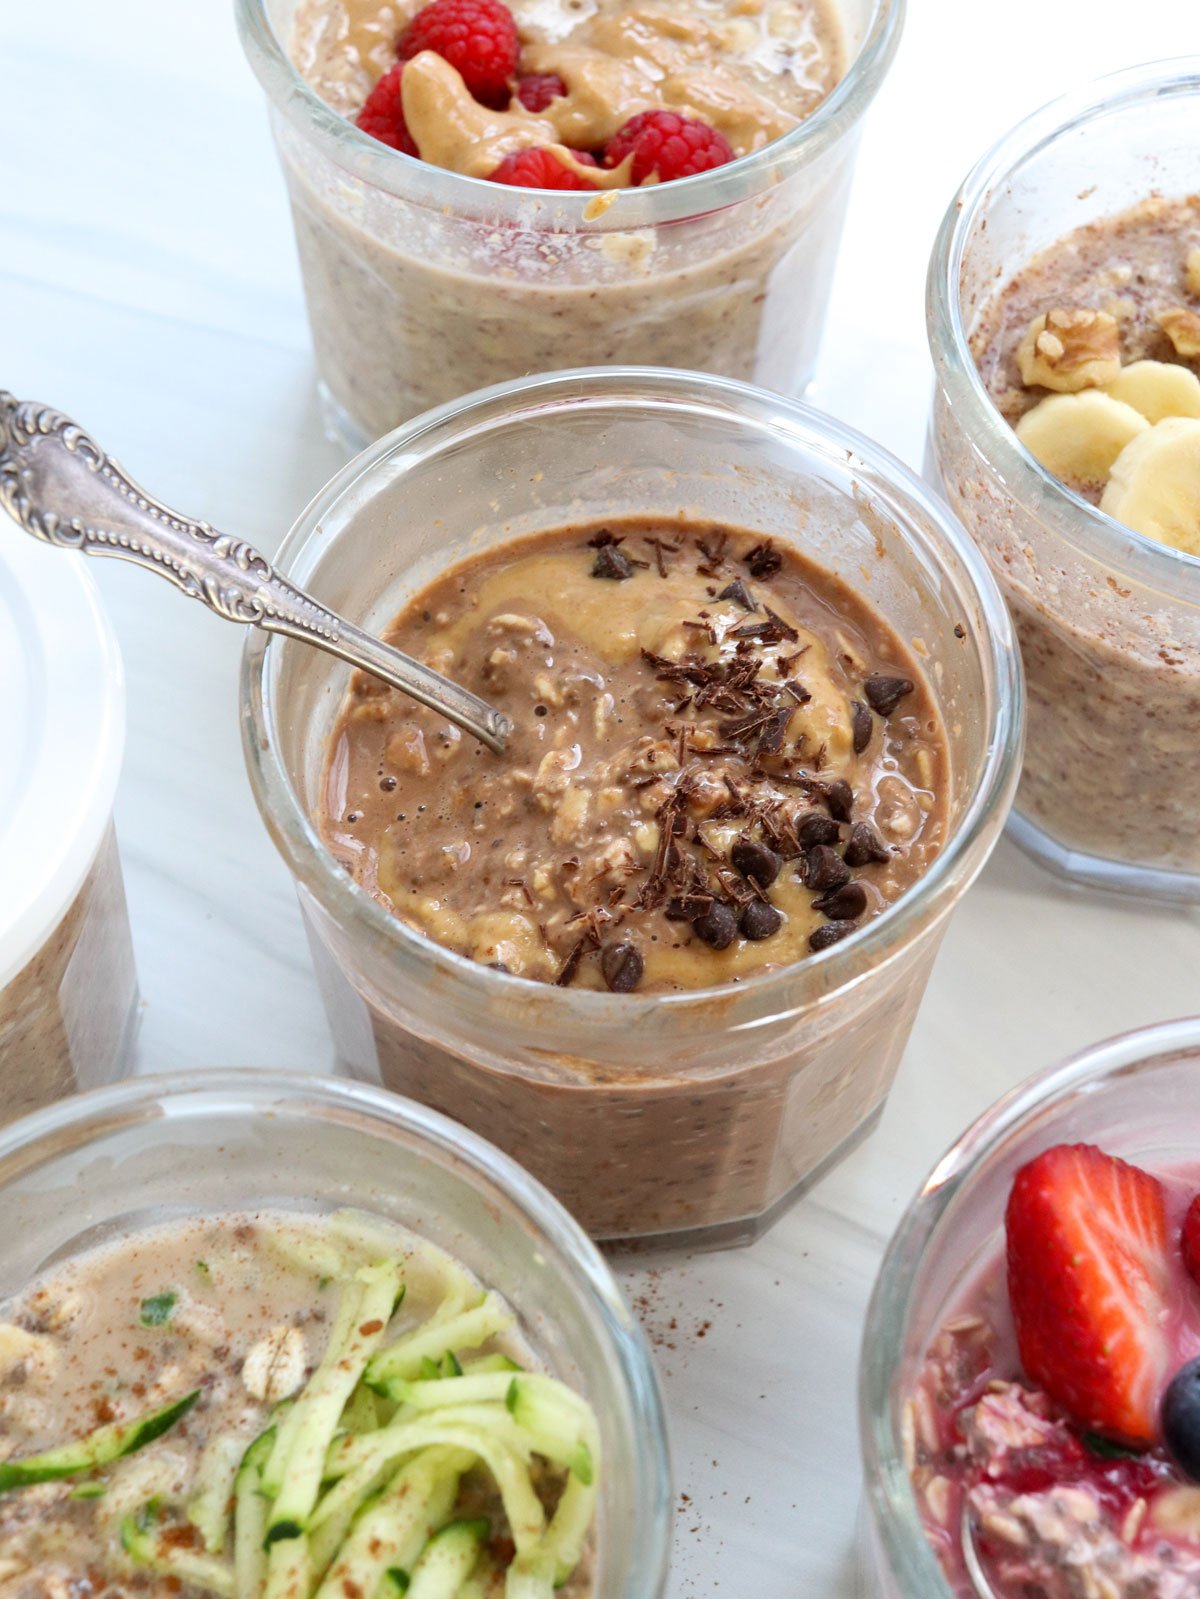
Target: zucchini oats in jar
724,761
276,1406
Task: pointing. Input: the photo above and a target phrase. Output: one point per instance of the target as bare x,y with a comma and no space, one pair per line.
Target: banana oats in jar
1065,326
723,762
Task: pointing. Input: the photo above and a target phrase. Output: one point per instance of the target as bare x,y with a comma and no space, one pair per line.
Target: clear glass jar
68,989
1136,1097
423,285
157,1148
1108,620
695,1113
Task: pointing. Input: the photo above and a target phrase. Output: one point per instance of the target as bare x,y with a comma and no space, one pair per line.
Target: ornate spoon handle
60,486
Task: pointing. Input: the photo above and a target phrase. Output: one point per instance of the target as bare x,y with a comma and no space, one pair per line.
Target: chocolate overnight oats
724,760
704,608
284,1404
1090,351
422,287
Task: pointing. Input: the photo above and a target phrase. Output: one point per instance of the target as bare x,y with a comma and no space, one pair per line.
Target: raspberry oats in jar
666,950
1065,326
481,192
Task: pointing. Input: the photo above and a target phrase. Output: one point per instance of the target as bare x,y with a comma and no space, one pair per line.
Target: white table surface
148,286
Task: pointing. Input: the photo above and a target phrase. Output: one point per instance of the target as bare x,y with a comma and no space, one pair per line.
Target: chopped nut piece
274,1368
1070,349
1182,327
1193,272
1177,1510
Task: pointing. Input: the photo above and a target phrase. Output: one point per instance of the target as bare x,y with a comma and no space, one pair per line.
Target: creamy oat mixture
723,761
225,1329
1058,1515
1093,354
752,69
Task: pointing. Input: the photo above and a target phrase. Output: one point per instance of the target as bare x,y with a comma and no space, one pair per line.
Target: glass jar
702,1112
158,1148
1135,1096
423,284
1108,620
68,990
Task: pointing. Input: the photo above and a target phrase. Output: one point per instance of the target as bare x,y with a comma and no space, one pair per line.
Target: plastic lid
62,734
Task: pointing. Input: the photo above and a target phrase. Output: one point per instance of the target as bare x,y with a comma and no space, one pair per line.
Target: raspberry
383,114
666,144
477,37
1191,1240
536,90
538,168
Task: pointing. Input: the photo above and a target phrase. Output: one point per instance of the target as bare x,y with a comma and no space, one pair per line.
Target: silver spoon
971,1560
60,486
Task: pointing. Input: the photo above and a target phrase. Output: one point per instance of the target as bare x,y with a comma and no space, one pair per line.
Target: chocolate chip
717,926
861,725
885,693
612,563
739,594
845,904
755,861
839,797
622,966
824,869
865,846
764,560
760,920
831,933
814,828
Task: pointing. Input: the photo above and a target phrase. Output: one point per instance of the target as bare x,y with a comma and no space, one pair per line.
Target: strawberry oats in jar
1064,307
1030,1387
667,949
481,192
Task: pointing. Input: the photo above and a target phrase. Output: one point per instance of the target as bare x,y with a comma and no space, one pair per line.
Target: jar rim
833,972
263,1091
418,181
891,1501
1039,493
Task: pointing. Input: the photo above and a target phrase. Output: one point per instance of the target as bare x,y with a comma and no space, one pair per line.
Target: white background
148,286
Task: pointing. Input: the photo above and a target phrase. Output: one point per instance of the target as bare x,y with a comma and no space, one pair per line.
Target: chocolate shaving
603,539
739,594
798,692
773,631
764,560
661,547
771,739
612,563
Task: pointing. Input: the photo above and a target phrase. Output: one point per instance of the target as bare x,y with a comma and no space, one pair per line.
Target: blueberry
1181,1419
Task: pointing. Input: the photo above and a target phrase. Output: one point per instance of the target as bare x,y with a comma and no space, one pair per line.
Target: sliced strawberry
1087,1281
1191,1240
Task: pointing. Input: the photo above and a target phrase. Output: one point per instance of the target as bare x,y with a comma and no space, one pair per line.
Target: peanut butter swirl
723,761
752,69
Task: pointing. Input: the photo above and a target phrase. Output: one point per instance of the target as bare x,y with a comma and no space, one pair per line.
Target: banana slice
1155,484
1157,389
1079,436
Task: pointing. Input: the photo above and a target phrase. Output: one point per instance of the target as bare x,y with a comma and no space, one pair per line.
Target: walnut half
1182,327
1071,349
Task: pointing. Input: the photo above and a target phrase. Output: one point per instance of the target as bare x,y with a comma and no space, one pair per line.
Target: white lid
62,734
